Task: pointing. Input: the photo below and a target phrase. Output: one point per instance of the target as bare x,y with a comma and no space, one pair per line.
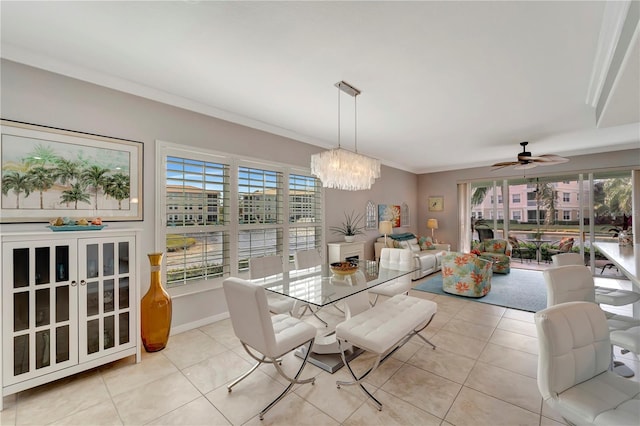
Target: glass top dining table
320,286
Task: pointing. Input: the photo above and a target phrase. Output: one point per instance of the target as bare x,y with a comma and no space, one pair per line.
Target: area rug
521,289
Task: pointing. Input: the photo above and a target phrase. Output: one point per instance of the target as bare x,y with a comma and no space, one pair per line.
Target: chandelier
342,169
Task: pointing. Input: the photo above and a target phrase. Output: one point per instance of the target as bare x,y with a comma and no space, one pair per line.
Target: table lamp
432,224
385,228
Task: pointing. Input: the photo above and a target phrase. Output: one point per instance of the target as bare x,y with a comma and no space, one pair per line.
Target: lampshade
385,227
432,223
342,169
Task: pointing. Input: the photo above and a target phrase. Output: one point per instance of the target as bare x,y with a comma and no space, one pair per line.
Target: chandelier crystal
342,169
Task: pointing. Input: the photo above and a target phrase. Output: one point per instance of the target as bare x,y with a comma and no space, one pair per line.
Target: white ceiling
445,85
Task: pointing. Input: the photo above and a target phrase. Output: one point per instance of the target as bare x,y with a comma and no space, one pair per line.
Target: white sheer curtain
464,217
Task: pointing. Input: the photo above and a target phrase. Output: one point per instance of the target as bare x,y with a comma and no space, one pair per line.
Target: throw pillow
426,243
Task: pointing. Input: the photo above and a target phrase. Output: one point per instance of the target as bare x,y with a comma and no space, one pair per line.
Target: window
500,199
566,215
516,215
566,197
219,211
515,198
195,253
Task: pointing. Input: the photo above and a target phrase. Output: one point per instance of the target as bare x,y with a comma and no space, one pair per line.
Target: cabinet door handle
83,282
74,283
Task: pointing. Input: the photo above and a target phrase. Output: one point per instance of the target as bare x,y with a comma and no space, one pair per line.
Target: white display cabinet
70,302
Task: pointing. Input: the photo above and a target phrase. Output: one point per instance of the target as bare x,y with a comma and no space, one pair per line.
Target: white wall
39,97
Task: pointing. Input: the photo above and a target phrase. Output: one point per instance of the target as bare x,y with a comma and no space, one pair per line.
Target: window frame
231,223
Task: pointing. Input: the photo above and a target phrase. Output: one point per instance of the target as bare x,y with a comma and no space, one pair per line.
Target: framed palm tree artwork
48,173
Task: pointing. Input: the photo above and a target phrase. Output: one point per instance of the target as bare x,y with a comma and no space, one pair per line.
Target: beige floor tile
474,408
248,397
8,413
394,412
519,315
515,341
477,318
468,328
155,399
222,331
549,422
191,347
486,309
121,377
457,343
440,319
510,359
384,371
443,363
293,410
409,349
450,305
65,397
428,391
104,413
550,413
505,385
517,326
337,403
216,371
199,412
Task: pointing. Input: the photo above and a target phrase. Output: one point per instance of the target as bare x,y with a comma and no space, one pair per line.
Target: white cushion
380,328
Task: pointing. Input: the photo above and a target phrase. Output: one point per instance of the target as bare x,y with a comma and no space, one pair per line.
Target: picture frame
436,203
46,173
389,212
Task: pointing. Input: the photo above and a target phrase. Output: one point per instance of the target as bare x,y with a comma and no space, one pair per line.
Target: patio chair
518,249
564,245
484,234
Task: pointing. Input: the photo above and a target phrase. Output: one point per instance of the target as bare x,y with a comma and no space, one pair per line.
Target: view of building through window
551,209
199,227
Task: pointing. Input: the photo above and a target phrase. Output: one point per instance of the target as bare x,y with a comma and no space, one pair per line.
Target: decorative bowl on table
344,268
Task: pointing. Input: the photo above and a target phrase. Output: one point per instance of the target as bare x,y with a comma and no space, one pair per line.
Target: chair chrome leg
291,381
251,370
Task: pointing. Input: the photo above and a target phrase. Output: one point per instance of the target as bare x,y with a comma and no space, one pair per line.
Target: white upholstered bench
382,330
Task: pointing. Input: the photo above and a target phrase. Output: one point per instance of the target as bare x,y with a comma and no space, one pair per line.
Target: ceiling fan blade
526,166
555,159
506,163
529,158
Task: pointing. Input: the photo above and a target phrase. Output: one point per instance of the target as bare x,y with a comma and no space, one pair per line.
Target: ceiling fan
528,161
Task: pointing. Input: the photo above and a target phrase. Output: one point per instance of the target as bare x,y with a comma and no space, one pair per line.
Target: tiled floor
483,372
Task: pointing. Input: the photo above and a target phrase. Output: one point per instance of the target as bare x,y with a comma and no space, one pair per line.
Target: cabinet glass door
105,320
39,303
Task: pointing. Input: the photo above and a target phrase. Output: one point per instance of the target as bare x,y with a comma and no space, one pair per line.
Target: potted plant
350,227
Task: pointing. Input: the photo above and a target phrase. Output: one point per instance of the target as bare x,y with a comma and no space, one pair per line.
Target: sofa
498,252
465,274
427,254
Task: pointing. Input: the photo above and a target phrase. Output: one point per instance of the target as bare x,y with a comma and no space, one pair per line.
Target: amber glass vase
155,309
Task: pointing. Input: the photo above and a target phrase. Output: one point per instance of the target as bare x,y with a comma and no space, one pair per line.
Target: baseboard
199,323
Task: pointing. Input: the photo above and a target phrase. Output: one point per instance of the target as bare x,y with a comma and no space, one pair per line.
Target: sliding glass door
554,213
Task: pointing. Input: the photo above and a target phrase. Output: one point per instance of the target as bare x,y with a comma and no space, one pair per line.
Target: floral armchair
497,251
465,274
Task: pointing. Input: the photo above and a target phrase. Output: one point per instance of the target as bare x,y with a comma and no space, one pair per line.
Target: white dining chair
307,259
604,295
266,338
393,258
271,267
573,283
573,362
